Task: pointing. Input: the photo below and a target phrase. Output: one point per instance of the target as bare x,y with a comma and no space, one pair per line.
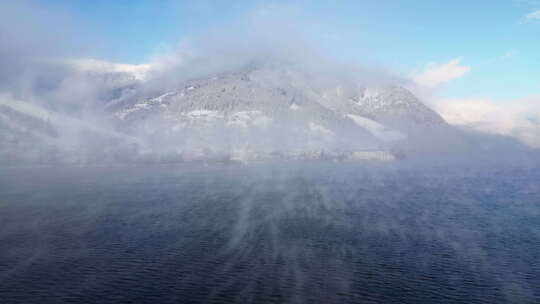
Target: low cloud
517,118
102,66
269,34
436,74
32,39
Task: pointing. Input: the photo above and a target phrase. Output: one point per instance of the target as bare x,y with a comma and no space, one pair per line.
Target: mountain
260,111
269,109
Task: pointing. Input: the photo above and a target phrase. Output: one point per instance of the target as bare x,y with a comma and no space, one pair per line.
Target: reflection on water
270,234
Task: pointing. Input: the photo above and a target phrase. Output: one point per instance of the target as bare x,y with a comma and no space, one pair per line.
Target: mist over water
284,233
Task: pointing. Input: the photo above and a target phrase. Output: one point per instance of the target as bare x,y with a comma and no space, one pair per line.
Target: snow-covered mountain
262,111
269,109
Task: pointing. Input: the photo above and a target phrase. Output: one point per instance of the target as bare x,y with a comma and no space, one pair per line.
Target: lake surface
288,233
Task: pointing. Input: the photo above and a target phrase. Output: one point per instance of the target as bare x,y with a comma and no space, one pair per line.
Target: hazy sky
497,41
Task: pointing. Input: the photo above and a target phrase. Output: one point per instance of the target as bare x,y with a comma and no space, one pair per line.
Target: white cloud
518,118
532,16
102,66
436,74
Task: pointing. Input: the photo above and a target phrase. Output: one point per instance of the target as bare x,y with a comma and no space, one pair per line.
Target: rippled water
270,234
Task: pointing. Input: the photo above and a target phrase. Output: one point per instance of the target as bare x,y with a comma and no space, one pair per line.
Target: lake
270,233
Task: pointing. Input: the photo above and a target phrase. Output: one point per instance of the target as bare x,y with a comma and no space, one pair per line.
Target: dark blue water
270,234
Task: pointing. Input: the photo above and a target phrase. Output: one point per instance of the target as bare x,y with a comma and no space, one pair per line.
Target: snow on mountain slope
272,108
243,108
377,129
395,106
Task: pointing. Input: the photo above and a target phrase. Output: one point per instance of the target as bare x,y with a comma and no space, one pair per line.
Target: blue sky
493,39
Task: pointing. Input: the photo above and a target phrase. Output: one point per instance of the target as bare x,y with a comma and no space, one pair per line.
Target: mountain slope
269,109
396,106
